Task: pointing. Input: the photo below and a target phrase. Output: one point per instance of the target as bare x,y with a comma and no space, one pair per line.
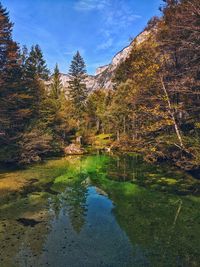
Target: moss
101,141
150,217
169,181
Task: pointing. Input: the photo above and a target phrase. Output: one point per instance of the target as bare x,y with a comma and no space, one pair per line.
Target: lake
99,210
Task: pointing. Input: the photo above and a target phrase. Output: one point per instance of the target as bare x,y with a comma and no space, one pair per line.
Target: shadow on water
100,210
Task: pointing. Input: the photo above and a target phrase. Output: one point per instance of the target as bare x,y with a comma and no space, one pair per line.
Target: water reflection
73,202
94,213
83,232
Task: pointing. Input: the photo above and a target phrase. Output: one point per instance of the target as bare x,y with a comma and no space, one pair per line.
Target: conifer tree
13,112
34,73
77,86
51,105
56,86
23,57
36,64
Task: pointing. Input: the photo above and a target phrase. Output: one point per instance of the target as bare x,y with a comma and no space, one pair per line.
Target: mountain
104,74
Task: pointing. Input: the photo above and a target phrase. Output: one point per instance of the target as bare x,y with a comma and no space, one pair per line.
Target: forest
108,176
153,110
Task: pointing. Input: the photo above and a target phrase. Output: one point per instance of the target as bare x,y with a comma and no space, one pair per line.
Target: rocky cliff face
104,75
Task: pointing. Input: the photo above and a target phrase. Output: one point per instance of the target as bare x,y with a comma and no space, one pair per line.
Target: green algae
155,206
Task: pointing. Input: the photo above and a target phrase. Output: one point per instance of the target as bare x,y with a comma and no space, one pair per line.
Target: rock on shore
74,149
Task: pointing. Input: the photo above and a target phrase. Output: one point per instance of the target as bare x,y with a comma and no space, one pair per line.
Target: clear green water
99,210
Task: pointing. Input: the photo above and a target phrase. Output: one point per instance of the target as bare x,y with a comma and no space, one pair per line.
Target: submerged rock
101,192
28,222
87,181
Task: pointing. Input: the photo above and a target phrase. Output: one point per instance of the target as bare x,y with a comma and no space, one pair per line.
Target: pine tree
6,36
23,57
36,65
77,86
34,73
37,139
13,112
51,105
56,86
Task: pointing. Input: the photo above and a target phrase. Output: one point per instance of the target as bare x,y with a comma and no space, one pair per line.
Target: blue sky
97,28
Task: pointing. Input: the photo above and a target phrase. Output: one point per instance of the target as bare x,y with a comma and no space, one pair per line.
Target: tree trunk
79,140
124,122
98,125
78,124
178,133
118,136
133,128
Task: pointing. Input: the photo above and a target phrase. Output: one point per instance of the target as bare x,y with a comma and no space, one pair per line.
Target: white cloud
120,16
115,16
88,5
105,45
114,13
